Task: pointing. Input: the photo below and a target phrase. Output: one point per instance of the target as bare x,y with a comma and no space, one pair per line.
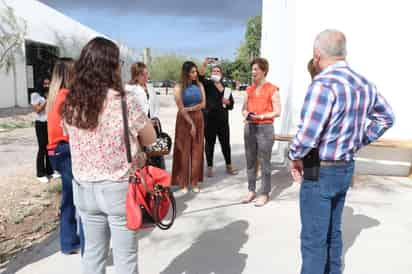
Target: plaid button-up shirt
341,113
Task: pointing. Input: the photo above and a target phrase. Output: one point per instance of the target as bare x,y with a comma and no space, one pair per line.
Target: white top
35,99
150,105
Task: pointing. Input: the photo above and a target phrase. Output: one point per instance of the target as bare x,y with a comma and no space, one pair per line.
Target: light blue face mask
215,78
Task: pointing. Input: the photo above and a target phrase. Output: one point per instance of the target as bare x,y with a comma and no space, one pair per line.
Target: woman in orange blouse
260,108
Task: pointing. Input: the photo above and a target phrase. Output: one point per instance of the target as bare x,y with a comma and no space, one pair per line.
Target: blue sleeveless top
191,96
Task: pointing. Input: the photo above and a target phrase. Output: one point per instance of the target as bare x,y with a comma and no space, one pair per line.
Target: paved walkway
215,234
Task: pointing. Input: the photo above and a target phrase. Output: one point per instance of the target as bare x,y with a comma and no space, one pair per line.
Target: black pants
43,165
217,124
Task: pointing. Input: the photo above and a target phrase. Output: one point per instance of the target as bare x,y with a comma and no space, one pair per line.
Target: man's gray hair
331,43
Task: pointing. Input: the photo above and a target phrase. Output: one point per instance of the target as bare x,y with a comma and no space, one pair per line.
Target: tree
168,67
248,50
253,36
12,34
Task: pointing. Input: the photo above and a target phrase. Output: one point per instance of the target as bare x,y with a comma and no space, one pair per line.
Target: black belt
334,162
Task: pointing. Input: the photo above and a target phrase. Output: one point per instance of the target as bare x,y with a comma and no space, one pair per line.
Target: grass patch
54,188
15,125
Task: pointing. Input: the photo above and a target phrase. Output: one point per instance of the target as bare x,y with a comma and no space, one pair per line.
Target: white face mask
215,78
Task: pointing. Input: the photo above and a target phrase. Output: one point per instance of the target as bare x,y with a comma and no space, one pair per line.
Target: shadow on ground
353,225
37,252
214,251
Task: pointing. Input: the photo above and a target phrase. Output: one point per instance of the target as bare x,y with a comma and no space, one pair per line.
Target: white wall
6,89
379,47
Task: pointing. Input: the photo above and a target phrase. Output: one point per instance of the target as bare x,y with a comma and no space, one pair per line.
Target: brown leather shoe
210,172
262,200
249,198
231,170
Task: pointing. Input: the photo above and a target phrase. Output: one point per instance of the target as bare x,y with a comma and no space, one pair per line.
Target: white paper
227,93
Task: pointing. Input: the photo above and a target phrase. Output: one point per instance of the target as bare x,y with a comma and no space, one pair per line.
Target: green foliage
168,67
253,36
240,70
12,35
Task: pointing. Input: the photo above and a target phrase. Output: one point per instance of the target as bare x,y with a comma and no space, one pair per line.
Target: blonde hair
135,70
61,77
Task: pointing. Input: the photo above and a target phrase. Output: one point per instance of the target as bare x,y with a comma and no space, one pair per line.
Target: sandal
210,172
231,170
262,200
249,198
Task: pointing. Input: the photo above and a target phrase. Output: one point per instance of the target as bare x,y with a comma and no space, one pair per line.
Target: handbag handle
132,177
126,130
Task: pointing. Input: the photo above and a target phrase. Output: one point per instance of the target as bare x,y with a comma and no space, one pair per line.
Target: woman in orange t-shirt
59,154
261,106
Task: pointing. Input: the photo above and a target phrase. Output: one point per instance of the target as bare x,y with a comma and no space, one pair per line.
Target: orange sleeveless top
54,120
261,103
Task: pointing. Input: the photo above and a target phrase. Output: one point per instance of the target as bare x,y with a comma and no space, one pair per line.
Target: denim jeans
321,206
258,145
70,240
102,208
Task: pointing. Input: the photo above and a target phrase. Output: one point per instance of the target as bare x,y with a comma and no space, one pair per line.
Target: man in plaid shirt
342,112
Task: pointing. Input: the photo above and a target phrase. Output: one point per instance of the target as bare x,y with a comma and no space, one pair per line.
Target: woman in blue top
188,149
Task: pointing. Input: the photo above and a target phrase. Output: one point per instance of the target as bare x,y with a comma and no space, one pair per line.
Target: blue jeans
321,206
70,239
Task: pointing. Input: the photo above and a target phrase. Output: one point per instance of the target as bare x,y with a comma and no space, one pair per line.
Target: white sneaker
43,179
56,175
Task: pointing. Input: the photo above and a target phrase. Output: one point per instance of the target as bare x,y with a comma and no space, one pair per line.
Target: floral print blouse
100,155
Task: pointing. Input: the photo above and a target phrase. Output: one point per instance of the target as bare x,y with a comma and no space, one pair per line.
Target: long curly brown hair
96,71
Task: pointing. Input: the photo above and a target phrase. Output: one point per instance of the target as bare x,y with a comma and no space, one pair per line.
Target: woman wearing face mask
188,150
261,106
216,115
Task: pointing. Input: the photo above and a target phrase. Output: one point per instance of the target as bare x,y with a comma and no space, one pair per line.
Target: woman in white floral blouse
92,116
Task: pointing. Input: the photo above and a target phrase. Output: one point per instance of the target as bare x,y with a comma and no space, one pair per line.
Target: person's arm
36,102
316,111
202,104
139,123
147,135
153,102
180,106
231,103
382,118
245,112
276,107
39,107
203,68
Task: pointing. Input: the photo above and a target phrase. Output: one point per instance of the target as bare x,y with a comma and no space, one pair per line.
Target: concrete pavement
215,234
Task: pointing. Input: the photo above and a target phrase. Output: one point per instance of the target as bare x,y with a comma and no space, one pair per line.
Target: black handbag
163,144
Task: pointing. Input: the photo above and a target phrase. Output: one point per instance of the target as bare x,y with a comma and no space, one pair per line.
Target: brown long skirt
188,151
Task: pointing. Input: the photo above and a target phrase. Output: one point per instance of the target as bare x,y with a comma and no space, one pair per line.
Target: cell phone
249,116
212,59
311,165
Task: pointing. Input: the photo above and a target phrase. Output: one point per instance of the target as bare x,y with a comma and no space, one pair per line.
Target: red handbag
149,197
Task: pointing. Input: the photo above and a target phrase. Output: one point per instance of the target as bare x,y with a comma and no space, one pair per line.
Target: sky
196,28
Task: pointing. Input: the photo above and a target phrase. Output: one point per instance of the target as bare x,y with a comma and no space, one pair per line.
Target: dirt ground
29,209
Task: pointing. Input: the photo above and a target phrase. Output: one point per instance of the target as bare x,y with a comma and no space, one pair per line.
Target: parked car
243,86
168,84
157,84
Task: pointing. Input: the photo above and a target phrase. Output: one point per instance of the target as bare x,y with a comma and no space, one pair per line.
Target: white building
48,30
379,47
